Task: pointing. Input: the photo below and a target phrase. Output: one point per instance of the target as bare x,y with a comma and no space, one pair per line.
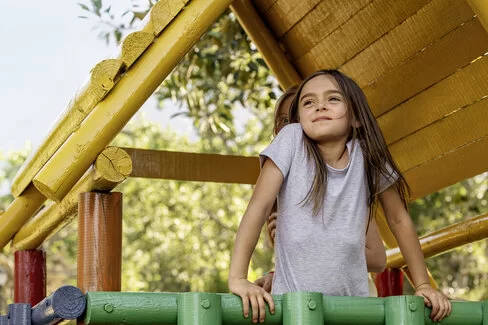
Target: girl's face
322,110
282,117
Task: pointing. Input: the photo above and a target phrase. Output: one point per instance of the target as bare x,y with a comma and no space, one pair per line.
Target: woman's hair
290,92
377,157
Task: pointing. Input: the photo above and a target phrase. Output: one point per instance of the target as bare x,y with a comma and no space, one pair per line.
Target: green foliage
180,235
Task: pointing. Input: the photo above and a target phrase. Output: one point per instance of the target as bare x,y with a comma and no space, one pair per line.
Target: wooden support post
303,308
198,308
29,276
99,241
404,310
389,283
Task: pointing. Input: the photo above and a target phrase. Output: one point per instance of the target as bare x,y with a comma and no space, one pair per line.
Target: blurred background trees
178,235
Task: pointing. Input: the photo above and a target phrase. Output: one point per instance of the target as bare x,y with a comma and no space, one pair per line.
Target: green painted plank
199,308
404,310
134,308
303,308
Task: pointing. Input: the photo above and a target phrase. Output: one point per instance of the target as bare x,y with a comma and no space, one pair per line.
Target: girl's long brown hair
375,151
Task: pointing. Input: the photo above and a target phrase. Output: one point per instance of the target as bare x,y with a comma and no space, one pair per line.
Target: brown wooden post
99,241
29,276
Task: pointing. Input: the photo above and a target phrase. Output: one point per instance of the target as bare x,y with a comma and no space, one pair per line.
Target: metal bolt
412,306
205,304
108,308
312,305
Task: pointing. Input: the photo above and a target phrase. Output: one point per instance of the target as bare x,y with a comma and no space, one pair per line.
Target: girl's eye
307,103
335,99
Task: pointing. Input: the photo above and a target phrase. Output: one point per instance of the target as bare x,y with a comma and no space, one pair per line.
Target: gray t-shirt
322,253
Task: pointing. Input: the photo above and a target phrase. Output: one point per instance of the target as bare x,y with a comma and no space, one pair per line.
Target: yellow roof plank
448,54
161,14
448,169
458,90
283,14
380,16
263,5
133,46
444,135
433,21
318,24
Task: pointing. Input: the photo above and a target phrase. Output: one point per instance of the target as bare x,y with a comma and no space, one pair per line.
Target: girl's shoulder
291,129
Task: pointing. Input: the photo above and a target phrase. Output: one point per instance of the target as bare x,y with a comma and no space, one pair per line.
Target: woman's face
282,117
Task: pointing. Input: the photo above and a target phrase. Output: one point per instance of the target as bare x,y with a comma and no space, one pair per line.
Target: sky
46,55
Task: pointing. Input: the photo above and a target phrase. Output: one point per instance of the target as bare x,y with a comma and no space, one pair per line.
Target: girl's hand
441,306
265,282
251,293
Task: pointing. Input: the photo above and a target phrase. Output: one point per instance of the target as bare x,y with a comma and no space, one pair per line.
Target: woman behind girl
329,169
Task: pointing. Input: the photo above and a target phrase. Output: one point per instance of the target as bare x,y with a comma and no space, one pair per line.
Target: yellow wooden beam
112,167
102,79
442,240
19,212
193,166
480,8
272,53
108,118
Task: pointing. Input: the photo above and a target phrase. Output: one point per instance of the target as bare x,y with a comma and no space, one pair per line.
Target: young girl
329,171
374,250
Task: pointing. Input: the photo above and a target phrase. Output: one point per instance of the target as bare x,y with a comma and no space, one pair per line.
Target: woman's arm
258,209
403,229
375,250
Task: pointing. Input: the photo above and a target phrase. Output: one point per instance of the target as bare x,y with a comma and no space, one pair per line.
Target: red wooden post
389,283
29,276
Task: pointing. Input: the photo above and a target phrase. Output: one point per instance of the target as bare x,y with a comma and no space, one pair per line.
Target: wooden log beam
272,53
19,212
193,166
102,78
110,115
65,303
442,240
112,167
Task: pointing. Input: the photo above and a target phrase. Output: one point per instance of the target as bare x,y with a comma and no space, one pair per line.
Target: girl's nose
321,106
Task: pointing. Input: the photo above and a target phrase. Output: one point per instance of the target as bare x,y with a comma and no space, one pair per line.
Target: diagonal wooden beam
272,53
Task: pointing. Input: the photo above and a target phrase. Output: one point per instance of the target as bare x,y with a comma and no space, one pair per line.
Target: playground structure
421,63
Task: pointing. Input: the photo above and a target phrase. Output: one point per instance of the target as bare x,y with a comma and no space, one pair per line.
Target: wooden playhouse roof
421,63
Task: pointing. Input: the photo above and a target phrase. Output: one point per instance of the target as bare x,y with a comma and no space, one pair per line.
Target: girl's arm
403,229
258,209
375,250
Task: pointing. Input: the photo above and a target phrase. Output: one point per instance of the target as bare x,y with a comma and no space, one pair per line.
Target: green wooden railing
297,308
